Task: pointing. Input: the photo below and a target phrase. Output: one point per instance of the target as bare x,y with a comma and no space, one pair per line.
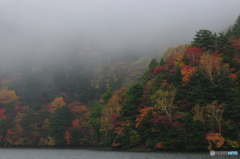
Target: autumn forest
189,98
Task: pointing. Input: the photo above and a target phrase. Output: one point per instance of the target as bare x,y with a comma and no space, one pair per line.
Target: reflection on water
50,153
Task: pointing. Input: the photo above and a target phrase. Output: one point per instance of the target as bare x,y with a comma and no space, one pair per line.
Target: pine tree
132,102
236,28
177,77
224,46
162,62
61,119
148,74
185,59
205,40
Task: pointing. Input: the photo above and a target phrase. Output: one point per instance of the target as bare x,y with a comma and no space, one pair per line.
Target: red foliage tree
235,44
161,119
146,91
170,60
2,112
8,136
75,123
114,120
67,135
159,69
159,145
47,107
193,55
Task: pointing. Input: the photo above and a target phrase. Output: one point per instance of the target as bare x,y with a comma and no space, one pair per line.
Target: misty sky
37,27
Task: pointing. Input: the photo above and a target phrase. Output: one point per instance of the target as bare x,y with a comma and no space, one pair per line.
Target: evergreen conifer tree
236,28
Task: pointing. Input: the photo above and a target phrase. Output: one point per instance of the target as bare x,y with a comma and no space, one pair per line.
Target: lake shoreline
90,153
133,149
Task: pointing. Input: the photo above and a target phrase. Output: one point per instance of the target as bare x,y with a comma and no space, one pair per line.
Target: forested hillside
188,99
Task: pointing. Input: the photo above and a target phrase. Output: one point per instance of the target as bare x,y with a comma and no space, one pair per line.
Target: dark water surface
61,153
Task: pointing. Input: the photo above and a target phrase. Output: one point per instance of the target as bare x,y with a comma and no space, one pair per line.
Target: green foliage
3,128
94,123
26,121
152,65
185,59
224,46
61,119
205,40
128,138
195,135
76,134
156,84
132,102
148,138
177,77
197,90
108,139
165,110
150,143
148,74
233,109
236,28
228,59
106,96
162,62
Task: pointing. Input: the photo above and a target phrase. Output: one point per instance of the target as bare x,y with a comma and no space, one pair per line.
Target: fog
35,29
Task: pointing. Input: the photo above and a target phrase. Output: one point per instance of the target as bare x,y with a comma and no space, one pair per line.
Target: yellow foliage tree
233,144
211,113
178,59
199,114
114,105
215,112
210,63
19,131
51,141
7,96
175,50
164,102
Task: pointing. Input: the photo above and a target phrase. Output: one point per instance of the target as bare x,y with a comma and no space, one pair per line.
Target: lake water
60,153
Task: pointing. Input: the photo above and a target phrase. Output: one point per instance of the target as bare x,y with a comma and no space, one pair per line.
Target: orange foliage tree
186,72
143,112
57,102
214,139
